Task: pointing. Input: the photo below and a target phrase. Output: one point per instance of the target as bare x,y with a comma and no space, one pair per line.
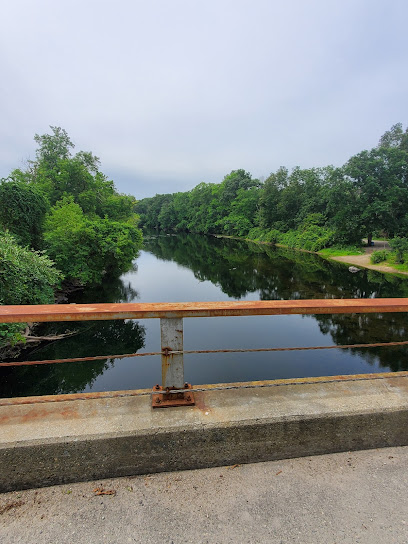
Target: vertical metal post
168,394
171,332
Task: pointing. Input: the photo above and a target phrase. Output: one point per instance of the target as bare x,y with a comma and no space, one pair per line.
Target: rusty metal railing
174,390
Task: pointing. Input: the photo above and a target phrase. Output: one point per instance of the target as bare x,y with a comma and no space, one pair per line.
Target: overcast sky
169,93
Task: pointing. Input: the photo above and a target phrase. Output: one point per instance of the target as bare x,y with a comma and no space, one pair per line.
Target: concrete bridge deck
345,498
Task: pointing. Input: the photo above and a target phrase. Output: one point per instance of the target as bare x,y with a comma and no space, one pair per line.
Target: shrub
272,236
379,256
26,277
85,249
22,212
313,238
256,233
400,246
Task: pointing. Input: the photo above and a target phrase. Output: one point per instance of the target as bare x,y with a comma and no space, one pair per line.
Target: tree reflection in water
92,338
240,267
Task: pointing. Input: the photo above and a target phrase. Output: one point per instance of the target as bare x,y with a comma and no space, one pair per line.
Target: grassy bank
390,258
350,255
337,251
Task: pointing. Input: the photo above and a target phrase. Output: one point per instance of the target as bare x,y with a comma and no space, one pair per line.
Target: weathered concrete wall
45,443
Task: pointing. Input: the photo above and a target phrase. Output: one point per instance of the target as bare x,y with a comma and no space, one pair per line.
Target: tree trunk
369,239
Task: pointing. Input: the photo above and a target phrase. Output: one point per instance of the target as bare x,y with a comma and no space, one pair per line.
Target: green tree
26,277
237,179
369,194
343,210
22,212
205,208
380,178
395,137
243,214
270,197
53,147
88,249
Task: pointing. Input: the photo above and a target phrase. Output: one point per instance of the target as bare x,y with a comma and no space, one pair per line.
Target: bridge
86,436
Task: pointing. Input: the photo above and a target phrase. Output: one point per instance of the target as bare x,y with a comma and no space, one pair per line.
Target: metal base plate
163,398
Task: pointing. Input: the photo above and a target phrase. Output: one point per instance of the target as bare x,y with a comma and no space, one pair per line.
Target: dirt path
364,260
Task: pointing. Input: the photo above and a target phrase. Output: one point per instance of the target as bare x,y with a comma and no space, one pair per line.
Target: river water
187,268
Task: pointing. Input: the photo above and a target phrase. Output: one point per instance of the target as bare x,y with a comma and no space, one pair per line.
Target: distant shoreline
362,261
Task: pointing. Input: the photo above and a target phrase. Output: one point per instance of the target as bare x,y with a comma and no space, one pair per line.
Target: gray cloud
169,94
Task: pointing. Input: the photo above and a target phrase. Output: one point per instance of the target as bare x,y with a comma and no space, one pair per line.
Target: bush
272,236
312,238
400,246
11,333
256,233
87,250
26,277
260,235
379,256
22,212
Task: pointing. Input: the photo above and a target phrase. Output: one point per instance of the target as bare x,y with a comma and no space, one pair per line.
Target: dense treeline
306,208
61,219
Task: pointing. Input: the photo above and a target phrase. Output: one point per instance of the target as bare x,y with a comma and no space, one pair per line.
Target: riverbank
364,261
361,261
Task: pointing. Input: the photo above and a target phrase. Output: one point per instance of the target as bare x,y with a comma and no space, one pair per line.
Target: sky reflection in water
195,268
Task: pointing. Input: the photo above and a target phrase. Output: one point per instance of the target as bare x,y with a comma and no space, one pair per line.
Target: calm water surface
194,268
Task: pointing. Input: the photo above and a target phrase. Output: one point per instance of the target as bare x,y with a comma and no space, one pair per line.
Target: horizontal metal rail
171,326
200,351
90,312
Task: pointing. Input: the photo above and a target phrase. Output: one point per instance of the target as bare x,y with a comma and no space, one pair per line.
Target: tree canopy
367,195
63,204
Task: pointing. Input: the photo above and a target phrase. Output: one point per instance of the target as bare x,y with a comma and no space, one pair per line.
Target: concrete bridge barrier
71,438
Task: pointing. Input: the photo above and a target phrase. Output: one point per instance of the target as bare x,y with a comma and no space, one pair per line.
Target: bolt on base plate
164,398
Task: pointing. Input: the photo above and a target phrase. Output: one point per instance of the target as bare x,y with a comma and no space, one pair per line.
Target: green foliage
313,207
271,236
22,211
53,147
26,277
311,238
379,256
237,180
234,225
314,219
11,333
90,230
86,249
58,173
340,251
269,210
395,137
379,189
400,246
256,233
